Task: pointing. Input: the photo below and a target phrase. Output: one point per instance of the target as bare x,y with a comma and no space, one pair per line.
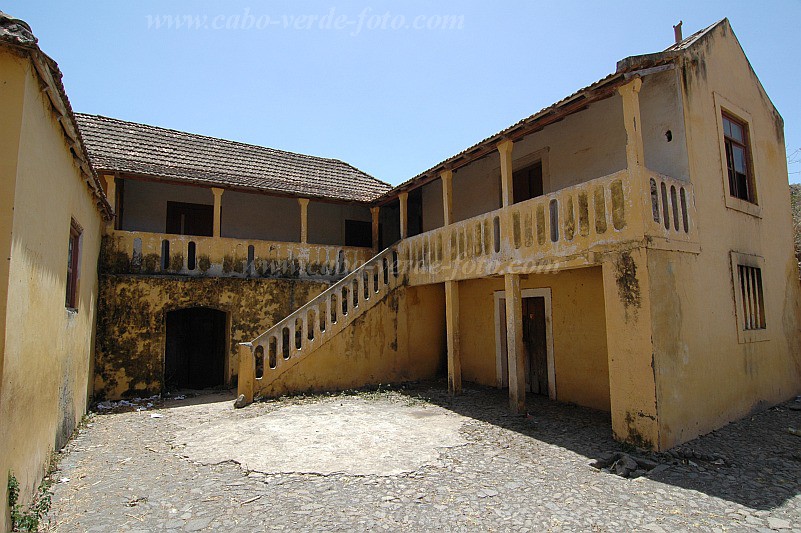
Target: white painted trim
526,293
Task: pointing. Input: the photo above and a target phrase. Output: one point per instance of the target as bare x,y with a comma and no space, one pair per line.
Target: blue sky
335,79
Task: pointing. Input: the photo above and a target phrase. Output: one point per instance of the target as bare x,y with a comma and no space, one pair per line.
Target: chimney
677,32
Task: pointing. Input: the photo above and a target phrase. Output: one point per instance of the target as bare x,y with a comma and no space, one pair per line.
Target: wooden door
535,343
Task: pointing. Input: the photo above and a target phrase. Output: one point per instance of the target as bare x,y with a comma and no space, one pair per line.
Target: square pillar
217,192
452,326
304,219
630,348
635,159
246,379
514,344
374,212
404,217
507,188
447,197
111,196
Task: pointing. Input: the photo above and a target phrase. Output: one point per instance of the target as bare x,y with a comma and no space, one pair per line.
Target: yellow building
51,217
628,248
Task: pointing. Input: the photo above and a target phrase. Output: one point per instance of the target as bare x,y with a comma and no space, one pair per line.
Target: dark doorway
194,355
358,233
527,182
190,219
535,342
414,211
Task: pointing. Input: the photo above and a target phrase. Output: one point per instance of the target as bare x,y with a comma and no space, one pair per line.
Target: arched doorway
194,355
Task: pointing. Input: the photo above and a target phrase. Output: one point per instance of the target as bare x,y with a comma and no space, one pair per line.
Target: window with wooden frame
73,256
749,297
738,159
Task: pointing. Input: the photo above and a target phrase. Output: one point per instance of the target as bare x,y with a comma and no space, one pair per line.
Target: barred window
752,301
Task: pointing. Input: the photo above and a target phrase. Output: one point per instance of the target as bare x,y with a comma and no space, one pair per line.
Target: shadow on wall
761,459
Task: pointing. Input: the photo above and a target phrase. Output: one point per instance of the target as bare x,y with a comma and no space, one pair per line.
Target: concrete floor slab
347,435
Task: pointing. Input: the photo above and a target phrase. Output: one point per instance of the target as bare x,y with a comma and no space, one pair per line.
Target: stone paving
131,471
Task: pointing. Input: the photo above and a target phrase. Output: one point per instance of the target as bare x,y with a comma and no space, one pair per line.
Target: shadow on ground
761,459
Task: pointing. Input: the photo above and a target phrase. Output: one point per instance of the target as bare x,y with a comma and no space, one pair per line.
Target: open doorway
194,355
537,341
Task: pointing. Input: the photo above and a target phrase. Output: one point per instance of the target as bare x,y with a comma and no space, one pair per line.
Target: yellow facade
46,348
705,376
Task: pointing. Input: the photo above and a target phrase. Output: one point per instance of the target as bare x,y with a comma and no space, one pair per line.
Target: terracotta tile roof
120,146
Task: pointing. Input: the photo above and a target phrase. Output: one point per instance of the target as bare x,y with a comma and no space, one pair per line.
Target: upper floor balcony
605,170
569,228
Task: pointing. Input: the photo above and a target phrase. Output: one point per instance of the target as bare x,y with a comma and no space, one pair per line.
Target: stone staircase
292,340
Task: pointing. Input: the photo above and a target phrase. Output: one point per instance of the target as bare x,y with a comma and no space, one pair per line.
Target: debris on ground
625,465
136,404
240,402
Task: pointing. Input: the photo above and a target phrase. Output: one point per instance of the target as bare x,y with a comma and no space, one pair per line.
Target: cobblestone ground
124,472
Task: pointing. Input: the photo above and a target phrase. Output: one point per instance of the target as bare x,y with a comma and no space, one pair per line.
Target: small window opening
752,297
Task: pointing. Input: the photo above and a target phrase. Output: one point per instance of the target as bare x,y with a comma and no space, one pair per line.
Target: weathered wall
145,203
259,216
47,348
131,327
401,339
705,377
661,111
583,146
579,331
433,213
327,221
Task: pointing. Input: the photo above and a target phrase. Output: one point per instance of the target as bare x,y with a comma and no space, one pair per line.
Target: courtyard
413,459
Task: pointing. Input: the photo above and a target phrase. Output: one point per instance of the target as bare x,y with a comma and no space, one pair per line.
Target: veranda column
111,195
217,192
304,219
507,190
375,211
635,160
404,219
451,298
514,344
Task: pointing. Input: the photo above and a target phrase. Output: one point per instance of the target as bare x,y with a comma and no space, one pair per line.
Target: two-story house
628,248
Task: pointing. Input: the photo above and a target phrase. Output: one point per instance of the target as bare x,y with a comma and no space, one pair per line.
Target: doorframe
526,293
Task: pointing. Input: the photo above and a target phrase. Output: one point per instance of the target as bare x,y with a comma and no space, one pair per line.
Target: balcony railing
563,229
132,252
